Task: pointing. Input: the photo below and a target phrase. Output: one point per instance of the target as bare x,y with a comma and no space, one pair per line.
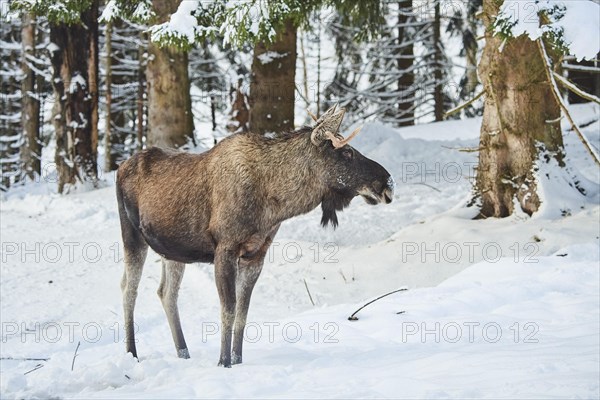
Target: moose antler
327,126
338,140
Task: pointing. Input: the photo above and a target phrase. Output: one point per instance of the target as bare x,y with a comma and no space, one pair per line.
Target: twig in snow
24,359
465,149
343,276
464,105
353,317
429,186
308,291
74,356
34,369
556,94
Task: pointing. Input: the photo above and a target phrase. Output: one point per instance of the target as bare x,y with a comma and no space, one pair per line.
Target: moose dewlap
225,206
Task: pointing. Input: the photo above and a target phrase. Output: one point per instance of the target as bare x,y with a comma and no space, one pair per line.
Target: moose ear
330,122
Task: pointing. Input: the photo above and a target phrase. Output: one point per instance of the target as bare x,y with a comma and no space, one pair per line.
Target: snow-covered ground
495,308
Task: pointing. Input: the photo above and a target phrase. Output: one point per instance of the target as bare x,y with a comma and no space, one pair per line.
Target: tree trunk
405,63
520,113
31,150
170,119
141,112
239,111
470,46
10,104
109,158
75,66
272,86
91,22
438,91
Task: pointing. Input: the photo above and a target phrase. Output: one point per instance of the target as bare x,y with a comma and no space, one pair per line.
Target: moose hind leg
135,256
168,291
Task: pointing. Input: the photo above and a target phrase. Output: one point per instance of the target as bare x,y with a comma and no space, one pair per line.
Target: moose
224,206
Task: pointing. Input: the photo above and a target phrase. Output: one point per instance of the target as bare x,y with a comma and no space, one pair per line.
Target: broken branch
353,317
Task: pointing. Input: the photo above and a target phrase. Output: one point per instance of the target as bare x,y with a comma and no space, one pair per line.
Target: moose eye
347,154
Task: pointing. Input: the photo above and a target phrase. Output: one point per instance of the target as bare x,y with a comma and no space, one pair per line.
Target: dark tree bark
93,77
405,63
519,112
170,119
587,81
141,111
438,91
75,74
239,111
109,159
272,85
470,79
31,150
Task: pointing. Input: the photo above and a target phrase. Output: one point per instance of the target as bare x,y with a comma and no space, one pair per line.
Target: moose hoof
133,352
183,353
236,360
226,364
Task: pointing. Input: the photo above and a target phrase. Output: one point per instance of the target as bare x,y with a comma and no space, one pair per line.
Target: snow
270,56
495,308
578,27
143,11
52,47
110,12
77,83
182,24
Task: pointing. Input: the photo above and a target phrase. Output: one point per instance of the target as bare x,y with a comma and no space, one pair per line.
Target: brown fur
225,206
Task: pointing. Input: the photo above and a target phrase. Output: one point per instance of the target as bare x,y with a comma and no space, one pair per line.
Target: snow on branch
111,12
183,28
571,24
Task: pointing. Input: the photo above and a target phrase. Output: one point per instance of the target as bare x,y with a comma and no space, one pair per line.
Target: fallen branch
573,88
554,90
24,359
465,149
74,356
353,317
464,105
308,291
34,369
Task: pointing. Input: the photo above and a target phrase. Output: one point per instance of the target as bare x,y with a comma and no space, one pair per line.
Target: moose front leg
249,269
225,271
248,273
